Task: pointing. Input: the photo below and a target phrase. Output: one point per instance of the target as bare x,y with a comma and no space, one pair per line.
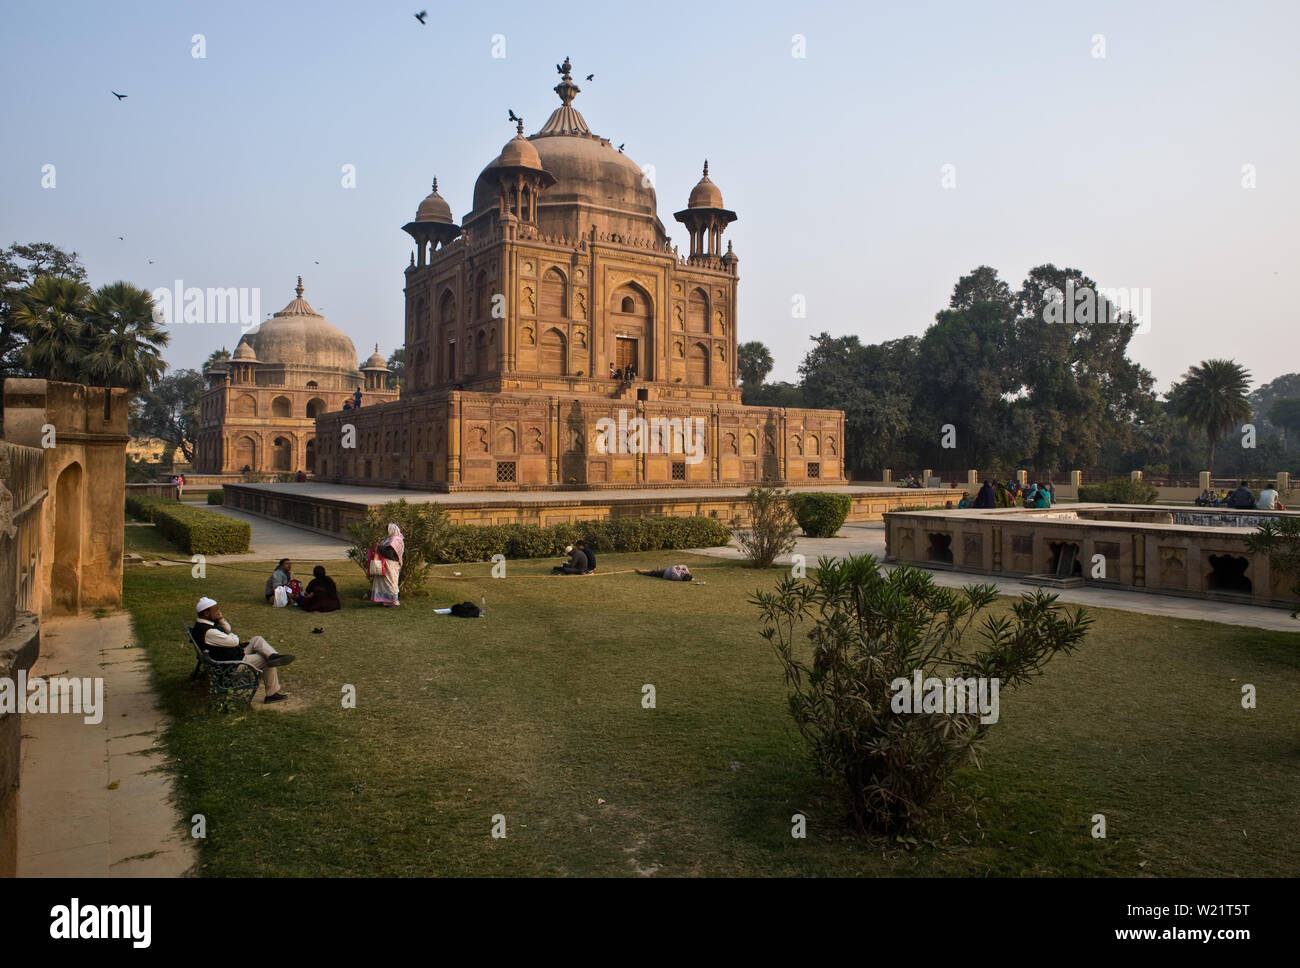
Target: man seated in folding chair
213,633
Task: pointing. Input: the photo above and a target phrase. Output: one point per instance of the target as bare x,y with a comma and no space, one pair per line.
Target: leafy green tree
169,410
754,361
1286,414
1078,383
122,342
397,364
850,638
50,316
780,394
20,266
873,385
1212,398
980,285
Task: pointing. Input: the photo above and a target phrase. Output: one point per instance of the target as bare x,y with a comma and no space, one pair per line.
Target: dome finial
706,167
435,183
566,89
298,288
519,127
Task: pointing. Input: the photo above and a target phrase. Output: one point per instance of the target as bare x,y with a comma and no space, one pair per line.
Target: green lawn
535,713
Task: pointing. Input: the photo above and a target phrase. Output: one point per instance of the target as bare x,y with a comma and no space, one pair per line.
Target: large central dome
595,183
299,335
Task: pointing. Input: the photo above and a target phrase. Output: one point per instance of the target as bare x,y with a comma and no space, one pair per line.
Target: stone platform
1201,553
330,508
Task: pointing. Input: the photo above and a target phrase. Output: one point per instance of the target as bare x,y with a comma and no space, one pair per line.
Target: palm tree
51,315
1212,398
122,340
754,361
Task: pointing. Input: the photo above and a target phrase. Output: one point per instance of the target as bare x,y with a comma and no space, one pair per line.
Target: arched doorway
282,454
246,454
311,456
65,576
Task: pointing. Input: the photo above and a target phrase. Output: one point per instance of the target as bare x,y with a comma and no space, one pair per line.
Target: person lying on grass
213,633
671,573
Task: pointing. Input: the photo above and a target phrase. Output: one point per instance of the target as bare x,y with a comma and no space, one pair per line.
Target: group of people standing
1009,495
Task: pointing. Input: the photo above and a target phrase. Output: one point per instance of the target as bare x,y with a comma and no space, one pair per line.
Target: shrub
821,515
771,527
424,531
869,633
1121,490
217,497
140,506
477,542
1279,539
200,532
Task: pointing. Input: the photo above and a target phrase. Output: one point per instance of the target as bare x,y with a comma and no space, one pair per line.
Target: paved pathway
96,799
869,538
271,541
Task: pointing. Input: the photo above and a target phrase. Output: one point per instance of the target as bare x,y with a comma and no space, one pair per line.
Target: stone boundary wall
333,516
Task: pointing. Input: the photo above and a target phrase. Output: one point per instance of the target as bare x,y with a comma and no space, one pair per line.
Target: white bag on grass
281,597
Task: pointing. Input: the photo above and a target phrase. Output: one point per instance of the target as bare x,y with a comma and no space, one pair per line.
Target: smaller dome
434,208
519,152
705,194
244,353
376,361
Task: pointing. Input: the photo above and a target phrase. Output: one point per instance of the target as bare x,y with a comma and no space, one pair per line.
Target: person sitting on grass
215,637
576,565
281,577
322,595
671,573
591,558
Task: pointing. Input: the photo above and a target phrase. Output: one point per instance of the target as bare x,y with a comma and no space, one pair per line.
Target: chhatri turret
706,220
433,225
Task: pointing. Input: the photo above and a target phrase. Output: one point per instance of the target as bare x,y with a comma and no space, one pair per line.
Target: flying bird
591,77
318,261
513,116
151,261
421,15
620,148
120,96
120,239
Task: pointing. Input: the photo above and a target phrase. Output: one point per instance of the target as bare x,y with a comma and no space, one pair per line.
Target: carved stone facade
260,408
558,308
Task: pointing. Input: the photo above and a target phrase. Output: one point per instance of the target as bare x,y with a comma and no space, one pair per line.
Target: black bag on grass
466,610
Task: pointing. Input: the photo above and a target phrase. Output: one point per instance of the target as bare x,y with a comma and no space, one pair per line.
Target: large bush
1121,490
424,531
200,532
821,515
474,542
140,506
771,527
847,634
217,497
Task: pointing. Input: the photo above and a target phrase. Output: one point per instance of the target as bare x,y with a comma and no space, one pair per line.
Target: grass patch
535,713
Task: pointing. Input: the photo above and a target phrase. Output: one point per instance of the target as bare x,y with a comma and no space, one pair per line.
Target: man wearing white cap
212,631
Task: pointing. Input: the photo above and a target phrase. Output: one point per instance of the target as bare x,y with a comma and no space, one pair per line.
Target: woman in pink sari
383,587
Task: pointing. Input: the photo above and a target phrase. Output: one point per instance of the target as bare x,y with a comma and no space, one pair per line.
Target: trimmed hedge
1121,490
820,515
216,497
473,542
142,506
200,532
